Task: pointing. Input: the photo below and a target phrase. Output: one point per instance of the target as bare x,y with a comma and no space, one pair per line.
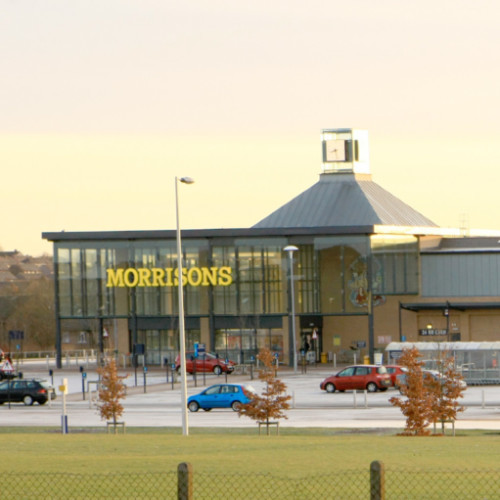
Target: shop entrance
310,344
311,337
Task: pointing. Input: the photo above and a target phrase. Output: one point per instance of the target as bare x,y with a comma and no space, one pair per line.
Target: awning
440,306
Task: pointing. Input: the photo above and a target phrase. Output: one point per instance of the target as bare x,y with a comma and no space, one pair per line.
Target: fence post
185,481
377,480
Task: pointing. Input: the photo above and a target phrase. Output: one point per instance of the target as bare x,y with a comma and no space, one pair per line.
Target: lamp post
290,249
182,330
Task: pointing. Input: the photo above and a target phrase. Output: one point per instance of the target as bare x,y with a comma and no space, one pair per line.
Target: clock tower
345,150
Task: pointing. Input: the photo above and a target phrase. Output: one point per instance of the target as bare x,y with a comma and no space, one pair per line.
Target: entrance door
310,343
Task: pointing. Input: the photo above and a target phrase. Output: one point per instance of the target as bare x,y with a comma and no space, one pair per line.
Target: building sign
168,276
432,332
16,334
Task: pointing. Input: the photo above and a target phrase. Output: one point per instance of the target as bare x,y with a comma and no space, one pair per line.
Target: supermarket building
369,270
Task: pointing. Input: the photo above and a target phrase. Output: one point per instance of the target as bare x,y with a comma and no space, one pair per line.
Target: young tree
446,391
273,401
111,392
418,407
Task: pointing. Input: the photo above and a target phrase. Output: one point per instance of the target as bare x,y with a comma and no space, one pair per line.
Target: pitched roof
345,200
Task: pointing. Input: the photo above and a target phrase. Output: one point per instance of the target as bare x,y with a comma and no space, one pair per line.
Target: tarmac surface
151,401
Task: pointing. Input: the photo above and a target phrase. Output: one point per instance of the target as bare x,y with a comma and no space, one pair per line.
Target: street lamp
290,249
182,330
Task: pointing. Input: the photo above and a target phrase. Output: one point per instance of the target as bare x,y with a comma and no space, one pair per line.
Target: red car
359,377
394,371
205,362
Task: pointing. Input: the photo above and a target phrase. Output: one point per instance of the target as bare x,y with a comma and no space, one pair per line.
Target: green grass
298,464
294,453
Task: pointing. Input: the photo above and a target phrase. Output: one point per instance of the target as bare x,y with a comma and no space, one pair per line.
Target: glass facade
236,289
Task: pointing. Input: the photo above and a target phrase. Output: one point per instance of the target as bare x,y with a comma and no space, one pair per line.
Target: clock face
335,150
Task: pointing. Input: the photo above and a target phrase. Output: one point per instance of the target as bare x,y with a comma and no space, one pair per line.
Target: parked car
206,362
394,371
26,391
428,376
221,396
358,377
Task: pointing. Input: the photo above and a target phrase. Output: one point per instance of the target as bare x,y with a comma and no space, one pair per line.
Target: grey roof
465,245
344,200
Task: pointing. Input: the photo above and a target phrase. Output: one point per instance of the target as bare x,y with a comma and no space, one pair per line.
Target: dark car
206,362
26,391
358,377
221,396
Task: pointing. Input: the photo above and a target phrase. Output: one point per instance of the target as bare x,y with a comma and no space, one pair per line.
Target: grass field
293,453
240,464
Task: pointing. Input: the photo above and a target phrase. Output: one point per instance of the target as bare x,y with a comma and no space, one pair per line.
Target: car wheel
330,387
28,400
207,409
193,406
217,370
236,406
371,387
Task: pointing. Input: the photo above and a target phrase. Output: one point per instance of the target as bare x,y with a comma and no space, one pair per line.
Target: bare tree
33,312
418,405
111,392
447,390
273,401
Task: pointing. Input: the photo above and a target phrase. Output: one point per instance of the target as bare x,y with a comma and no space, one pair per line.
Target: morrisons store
367,270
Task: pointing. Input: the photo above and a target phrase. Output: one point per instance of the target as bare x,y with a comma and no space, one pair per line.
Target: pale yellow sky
103,103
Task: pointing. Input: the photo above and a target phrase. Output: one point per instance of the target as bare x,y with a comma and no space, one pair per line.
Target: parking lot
157,404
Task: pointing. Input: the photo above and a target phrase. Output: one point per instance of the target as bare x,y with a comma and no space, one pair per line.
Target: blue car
221,396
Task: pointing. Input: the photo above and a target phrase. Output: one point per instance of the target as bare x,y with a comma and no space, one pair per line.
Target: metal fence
374,483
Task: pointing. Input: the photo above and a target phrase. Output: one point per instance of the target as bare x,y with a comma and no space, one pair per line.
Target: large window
158,300
395,264
243,345
306,278
257,270
343,273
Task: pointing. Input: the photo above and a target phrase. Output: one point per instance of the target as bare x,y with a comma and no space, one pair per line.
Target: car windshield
381,369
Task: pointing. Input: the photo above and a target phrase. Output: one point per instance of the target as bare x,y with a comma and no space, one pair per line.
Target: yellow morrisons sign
168,276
